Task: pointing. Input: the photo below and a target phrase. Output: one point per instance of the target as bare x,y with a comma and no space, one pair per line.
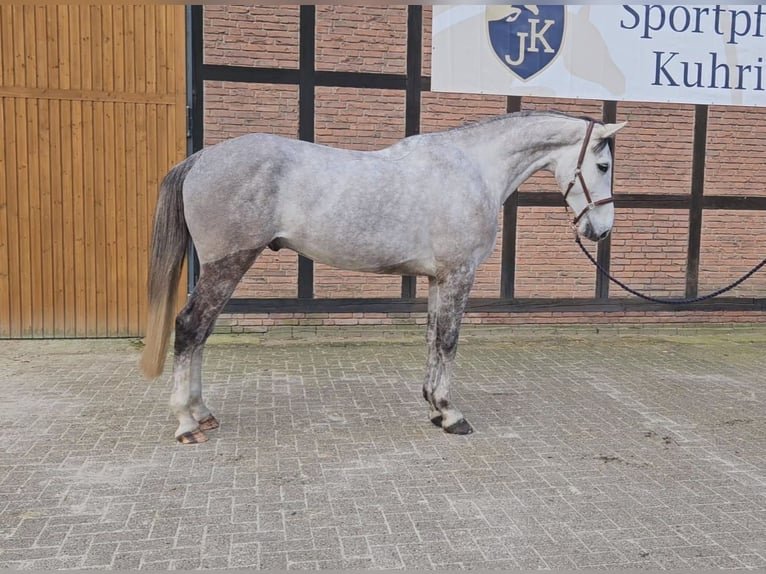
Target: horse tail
170,240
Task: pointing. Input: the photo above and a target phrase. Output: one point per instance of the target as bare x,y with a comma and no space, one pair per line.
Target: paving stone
591,451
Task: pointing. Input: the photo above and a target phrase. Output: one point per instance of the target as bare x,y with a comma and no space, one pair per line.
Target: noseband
578,175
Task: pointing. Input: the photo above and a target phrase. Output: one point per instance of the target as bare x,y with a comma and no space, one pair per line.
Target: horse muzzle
593,234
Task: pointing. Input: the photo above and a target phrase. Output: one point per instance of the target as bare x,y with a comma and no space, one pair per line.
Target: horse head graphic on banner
527,38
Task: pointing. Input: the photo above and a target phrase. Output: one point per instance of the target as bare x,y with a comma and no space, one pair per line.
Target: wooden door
92,115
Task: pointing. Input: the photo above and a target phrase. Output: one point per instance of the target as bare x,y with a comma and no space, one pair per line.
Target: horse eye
603,167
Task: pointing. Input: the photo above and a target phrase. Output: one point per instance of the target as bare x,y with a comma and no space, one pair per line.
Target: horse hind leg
194,324
199,409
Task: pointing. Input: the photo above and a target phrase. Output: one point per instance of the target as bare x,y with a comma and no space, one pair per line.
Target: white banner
706,54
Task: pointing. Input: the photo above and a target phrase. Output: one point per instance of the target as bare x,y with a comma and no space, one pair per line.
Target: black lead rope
668,301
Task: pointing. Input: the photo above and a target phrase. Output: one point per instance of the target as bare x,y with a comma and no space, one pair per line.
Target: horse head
584,174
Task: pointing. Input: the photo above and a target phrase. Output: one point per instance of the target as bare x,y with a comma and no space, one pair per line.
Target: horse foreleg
193,326
432,365
452,298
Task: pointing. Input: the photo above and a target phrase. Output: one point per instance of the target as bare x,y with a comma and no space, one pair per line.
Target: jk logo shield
527,38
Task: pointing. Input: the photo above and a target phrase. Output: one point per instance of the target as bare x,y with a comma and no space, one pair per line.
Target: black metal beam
413,86
739,203
247,75
361,80
510,219
651,201
695,206
290,76
420,305
306,101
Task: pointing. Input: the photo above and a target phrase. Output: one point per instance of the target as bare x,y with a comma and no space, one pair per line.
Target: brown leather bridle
578,174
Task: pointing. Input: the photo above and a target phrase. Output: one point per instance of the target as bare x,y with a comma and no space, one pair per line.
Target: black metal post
306,96
604,249
195,110
413,87
510,219
695,207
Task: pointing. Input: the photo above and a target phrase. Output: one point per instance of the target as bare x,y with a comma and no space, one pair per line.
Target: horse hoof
208,423
192,437
460,427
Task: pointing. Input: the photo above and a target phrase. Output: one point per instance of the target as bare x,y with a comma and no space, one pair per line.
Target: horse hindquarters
194,323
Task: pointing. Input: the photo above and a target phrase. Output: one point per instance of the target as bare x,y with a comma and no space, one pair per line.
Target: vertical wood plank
39,62
33,245
111,219
55,186
59,240
135,292
150,48
85,50
99,221
6,45
68,241
30,69
74,56
121,230
53,79
43,161
32,249
177,82
79,198
96,48
130,41
20,45
118,35
10,139
5,240
78,285
146,168
107,48
139,49
22,197
164,38
89,217
17,45
62,44
57,281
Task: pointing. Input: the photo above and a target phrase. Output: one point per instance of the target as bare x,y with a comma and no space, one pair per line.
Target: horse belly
362,254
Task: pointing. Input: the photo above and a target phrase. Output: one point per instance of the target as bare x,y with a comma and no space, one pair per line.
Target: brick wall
653,156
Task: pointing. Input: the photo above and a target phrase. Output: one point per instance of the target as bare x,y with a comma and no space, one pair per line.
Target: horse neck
511,149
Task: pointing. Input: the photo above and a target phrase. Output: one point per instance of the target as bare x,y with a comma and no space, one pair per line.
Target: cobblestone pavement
605,450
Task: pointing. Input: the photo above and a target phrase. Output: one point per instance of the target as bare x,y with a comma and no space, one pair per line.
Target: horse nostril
603,235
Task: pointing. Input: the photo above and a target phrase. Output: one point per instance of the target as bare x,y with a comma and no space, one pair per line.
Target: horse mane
521,114
600,145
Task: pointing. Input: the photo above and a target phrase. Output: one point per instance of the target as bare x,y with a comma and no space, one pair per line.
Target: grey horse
426,205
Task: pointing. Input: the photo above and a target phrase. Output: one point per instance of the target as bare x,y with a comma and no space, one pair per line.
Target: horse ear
608,130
